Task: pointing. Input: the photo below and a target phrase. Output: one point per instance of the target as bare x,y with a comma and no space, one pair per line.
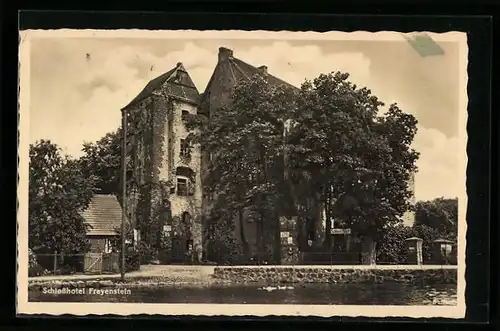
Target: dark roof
179,85
444,241
242,69
104,215
414,238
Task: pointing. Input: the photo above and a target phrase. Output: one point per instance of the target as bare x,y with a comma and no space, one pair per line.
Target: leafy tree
393,246
245,139
355,163
102,160
58,193
440,214
392,249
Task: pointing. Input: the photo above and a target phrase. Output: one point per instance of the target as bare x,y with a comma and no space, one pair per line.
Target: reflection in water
339,294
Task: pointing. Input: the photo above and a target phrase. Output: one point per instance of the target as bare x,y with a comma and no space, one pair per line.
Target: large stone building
165,173
228,71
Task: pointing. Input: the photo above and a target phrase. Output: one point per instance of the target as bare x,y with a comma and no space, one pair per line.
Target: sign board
167,228
290,240
340,231
285,234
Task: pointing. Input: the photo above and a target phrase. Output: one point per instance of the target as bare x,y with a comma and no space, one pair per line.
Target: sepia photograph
242,173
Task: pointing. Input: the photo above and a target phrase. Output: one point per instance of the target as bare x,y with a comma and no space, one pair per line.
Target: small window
130,175
182,188
185,149
185,114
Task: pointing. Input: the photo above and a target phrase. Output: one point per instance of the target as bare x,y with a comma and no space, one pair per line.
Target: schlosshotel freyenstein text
83,291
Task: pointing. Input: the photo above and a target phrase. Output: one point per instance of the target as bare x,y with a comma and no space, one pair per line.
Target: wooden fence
98,263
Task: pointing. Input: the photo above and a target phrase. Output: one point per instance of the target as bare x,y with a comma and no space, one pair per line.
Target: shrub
65,269
32,260
36,270
392,247
146,253
132,259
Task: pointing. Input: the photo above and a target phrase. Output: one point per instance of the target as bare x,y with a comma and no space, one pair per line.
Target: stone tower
409,216
163,170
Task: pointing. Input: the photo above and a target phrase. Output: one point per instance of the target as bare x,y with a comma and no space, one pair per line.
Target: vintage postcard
242,173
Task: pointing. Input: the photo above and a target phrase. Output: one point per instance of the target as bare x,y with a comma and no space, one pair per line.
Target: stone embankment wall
336,274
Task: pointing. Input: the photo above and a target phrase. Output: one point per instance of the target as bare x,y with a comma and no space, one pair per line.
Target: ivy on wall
153,204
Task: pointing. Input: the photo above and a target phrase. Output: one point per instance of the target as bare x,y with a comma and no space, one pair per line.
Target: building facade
163,169
165,175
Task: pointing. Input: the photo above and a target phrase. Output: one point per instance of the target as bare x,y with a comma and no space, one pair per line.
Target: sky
79,85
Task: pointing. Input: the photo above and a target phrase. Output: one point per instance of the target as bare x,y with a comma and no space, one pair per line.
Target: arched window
186,218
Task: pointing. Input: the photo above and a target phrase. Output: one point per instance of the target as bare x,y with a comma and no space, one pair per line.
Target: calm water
343,294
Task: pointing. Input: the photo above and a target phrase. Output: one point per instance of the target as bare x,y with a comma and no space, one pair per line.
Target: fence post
55,262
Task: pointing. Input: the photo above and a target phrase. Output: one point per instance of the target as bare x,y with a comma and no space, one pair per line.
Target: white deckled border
25,307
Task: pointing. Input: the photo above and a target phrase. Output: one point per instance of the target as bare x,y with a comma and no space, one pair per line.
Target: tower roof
241,70
177,84
228,71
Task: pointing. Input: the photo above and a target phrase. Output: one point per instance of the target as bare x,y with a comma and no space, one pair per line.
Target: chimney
225,53
263,69
179,64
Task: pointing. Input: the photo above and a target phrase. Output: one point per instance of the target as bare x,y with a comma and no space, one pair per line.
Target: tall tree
356,163
246,142
58,193
440,214
102,160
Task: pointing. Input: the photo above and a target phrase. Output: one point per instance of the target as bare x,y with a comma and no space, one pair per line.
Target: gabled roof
228,71
104,215
178,85
242,69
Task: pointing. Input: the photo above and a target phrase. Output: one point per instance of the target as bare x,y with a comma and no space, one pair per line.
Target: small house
104,217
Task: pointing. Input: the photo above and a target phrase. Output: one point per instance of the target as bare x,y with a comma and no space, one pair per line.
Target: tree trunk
55,262
328,223
244,242
369,251
277,240
260,238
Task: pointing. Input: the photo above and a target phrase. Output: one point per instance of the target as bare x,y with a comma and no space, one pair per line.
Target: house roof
241,69
104,215
414,239
177,84
228,71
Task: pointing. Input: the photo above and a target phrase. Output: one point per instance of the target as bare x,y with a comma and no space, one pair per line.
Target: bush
146,253
227,252
65,269
36,270
392,247
32,260
132,259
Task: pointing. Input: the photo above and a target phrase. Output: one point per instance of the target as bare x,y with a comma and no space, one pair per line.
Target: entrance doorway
179,249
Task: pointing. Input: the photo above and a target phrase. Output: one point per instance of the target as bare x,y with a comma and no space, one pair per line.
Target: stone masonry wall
303,274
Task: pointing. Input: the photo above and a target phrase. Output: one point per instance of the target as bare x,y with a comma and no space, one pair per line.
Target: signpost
340,231
124,190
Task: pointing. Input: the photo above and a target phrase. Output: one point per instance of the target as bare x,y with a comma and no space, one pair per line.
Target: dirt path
164,272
